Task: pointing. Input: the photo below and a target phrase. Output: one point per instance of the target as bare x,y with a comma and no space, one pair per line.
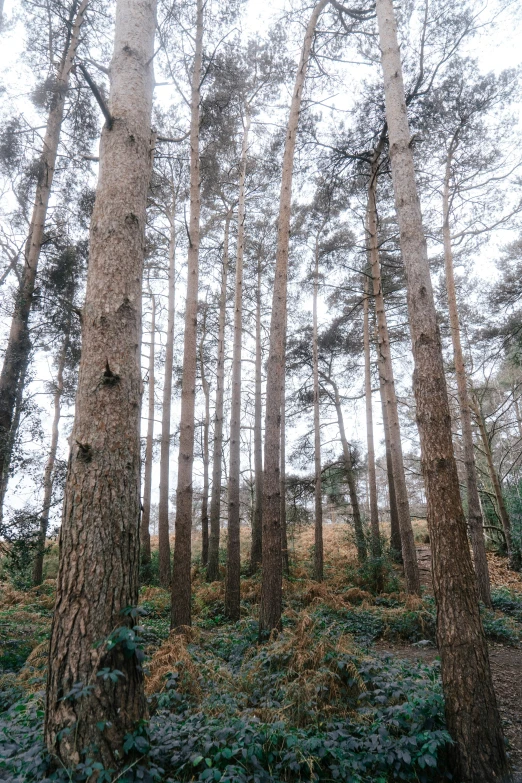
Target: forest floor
506,661
349,691
506,666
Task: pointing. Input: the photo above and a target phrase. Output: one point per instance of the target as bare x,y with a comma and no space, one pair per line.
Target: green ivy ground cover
249,714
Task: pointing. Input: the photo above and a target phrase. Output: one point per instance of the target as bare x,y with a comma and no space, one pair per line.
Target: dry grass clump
410,601
45,594
299,571
34,671
319,593
251,590
339,550
173,658
42,596
317,676
310,593
196,671
207,595
158,598
501,575
402,597
11,597
23,616
210,593
355,596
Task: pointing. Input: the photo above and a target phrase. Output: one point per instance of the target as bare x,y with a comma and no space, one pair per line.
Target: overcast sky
499,48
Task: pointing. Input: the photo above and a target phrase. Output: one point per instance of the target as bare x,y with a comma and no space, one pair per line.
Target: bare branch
97,94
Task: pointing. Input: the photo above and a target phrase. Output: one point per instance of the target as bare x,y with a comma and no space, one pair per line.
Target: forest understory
260,294
349,691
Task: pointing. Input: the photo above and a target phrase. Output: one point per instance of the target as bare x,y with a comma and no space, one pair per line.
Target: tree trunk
215,498
471,710
99,541
147,479
49,467
284,532
518,415
352,488
395,531
372,479
233,575
181,587
409,555
164,483
497,487
206,425
257,525
318,489
18,347
476,531
9,446
271,588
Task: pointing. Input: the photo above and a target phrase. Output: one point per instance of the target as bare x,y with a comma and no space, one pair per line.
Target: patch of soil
506,666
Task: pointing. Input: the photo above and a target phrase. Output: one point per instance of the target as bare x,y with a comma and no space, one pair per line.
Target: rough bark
372,478
217,446
99,541
271,588
395,532
205,453
257,522
497,487
164,483
471,710
18,347
181,586
233,573
476,531
49,465
409,556
318,489
147,477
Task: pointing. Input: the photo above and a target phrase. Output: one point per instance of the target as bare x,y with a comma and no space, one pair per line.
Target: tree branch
97,94
172,140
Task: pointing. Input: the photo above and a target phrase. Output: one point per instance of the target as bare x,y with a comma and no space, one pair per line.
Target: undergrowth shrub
149,572
25,621
19,532
309,706
500,629
412,621
508,601
302,676
376,574
368,624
